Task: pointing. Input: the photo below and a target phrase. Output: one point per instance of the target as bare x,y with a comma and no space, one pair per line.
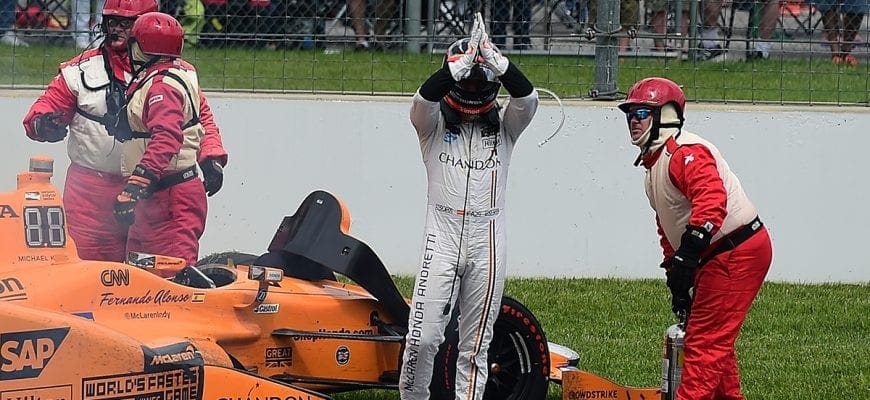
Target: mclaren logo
188,354
26,354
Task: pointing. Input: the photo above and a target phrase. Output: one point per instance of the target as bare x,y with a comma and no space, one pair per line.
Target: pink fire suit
172,220
94,177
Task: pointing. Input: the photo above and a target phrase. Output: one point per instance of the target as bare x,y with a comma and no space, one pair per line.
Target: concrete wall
576,206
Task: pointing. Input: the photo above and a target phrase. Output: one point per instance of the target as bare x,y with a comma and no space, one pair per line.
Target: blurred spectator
841,20
8,36
766,27
659,21
628,18
83,12
711,48
501,17
384,11
267,23
191,15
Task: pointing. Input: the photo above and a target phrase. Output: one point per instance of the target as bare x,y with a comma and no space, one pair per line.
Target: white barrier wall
576,206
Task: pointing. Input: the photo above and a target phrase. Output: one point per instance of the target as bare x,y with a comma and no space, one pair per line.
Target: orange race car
279,326
275,327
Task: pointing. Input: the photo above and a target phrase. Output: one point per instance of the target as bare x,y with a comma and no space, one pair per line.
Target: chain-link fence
741,50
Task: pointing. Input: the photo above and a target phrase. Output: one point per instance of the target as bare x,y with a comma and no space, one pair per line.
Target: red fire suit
162,102
94,176
689,183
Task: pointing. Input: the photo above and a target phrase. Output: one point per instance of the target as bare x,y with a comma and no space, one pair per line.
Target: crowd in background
375,24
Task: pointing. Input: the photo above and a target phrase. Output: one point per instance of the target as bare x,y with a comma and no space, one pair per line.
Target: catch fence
780,53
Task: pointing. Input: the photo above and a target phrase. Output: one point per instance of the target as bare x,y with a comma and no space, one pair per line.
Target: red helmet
129,8
158,34
655,92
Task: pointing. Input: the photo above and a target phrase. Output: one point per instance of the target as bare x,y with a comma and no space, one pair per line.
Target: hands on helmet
682,266
46,127
140,185
212,175
460,65
492,57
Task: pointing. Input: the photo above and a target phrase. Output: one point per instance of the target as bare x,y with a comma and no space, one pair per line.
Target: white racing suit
464,249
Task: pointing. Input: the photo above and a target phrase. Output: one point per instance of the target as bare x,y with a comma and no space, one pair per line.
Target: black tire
519,357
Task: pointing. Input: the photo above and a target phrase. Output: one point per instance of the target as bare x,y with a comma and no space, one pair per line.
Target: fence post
413,10
607,26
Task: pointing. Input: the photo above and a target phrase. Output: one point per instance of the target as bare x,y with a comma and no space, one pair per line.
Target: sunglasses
124,23
640,113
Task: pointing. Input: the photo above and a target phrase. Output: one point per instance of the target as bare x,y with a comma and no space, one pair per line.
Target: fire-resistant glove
140,185
460,65
682,266
212,175
680,282
492,57
46,127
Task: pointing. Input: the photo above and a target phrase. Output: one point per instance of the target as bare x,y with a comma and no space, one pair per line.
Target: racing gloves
46,127
460,65
140,185
492,57
212,175
682,266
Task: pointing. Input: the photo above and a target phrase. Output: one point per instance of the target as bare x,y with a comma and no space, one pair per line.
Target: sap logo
6,211
25,354
115,277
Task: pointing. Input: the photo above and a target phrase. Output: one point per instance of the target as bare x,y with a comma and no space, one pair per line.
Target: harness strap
734,239
182,176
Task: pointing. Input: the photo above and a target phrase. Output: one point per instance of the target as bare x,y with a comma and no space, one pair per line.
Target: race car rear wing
318,231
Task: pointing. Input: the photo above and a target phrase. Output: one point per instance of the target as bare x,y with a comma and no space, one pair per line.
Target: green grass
799,342
806,81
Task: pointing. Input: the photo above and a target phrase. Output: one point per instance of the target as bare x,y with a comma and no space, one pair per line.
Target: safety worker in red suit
82,98
466,140
162,202
710,234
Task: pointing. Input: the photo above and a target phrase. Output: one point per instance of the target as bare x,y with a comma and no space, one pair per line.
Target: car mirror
265,274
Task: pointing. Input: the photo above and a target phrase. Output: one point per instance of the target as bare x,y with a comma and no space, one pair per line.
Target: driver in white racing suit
466,140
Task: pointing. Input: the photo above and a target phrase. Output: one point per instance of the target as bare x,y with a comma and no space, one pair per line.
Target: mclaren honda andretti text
416,328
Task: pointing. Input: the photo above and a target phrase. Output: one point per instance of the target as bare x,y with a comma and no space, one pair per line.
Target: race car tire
519,357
